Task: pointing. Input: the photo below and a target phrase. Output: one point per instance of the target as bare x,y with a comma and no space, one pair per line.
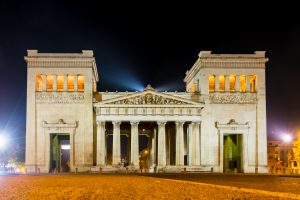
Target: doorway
59,153
232,154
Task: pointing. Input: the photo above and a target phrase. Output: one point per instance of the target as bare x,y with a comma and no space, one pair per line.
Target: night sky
157,44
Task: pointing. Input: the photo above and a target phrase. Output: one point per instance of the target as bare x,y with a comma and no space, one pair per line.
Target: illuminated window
60,82
49,82
221,83
232,83
70,83
80,83
39,83
253,83
243,83
211,83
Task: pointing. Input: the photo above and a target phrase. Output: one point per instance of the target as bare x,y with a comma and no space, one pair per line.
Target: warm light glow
243,83
39,83
60,82
232,83
287,138
146,152
80,83
70,83
49,82
253,83
65,146
3,141
211,81
221,83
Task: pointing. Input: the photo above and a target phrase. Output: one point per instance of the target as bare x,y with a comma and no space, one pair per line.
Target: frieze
233,98
59,97
149,99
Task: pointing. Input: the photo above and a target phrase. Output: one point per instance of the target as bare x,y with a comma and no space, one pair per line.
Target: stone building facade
218,124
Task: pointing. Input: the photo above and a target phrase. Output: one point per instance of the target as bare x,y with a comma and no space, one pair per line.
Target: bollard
100,170
76,170
211,170
184,170
38,170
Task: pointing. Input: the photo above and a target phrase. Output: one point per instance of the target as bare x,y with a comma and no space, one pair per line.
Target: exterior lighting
287,138
3,141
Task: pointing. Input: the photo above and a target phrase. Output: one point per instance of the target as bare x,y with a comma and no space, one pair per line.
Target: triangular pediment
149,98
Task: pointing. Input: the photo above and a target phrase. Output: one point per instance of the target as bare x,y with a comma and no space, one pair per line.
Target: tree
296,149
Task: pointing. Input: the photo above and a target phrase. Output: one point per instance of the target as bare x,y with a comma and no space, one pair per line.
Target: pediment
149,97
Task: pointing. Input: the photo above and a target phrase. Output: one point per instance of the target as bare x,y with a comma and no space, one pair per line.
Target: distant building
218,123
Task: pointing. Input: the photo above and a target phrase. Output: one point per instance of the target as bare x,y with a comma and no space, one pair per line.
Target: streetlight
287,138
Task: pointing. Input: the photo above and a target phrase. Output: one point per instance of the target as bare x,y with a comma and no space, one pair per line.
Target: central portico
172,117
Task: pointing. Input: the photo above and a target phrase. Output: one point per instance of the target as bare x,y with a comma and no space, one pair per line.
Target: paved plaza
118,186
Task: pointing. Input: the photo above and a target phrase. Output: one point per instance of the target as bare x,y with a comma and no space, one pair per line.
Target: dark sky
137,44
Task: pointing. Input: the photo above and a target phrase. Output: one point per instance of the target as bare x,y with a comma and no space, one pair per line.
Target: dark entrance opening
232,154
59,153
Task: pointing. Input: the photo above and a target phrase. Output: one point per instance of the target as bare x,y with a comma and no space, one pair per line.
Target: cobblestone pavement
117,186
273,183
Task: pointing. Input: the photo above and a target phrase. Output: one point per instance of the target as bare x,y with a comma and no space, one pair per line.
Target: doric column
217,83
190,143
75,83
247,83
54,82
237,83
196,143
134,144
101,143
44,79
227,84
153,147
116,154
161,160
65,82
179,143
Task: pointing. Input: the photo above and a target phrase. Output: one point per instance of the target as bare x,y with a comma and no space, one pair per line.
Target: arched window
211,83
70,83
232,83
80,83
49,82
243,83
39,83
221,83
252,83
60,82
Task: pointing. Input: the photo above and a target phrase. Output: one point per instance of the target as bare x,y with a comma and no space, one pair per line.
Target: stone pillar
179,143
75,83
237,83
196,144
217,83
227,84
161,149
101,144
116,153
153,147
134,144
65,82
54,82
190,143
44,79
247,83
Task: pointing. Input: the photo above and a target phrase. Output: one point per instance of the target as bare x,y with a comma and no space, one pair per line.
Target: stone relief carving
59,97
231,98
149,99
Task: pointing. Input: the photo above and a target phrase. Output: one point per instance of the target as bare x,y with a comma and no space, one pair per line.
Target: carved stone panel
59,97
232,98
148,99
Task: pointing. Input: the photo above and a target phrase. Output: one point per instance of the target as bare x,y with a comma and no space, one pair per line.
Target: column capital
99,123
179,122
116,123
161,123
196,122
134,122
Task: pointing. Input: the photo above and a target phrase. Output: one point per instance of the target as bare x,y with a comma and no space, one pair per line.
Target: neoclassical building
218,124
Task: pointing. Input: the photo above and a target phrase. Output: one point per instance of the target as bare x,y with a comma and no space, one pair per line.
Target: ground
163,186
